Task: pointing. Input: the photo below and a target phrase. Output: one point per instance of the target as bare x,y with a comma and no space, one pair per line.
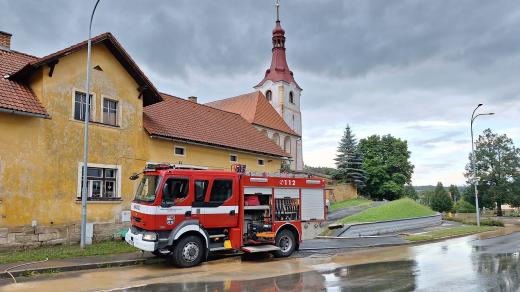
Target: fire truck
184,213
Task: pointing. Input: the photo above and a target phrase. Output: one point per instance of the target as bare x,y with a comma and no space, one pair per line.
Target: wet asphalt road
461,264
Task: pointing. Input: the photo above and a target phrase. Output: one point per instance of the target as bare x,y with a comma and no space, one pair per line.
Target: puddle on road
454,265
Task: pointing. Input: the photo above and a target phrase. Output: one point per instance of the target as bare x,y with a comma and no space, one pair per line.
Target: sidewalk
75,264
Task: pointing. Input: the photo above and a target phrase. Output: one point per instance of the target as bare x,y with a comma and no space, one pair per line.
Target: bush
490,222
463,207
485,222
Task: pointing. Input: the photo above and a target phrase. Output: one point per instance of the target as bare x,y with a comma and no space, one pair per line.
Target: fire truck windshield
147,190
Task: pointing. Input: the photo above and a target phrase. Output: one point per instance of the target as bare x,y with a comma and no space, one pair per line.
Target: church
274,107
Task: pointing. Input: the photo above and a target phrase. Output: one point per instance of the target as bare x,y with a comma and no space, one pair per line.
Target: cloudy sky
413,69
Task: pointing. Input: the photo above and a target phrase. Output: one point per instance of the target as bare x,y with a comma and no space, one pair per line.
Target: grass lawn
65,251
399,209
455,231
350,203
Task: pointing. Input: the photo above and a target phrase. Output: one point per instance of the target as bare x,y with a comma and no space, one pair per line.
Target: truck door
200,190
220,207
176,200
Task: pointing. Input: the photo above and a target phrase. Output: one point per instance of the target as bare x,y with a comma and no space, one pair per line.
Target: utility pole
85,146
473,160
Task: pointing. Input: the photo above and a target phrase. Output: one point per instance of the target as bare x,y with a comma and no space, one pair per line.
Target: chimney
5,40
192,99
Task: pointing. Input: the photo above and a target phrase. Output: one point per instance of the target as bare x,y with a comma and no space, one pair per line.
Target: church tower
282,91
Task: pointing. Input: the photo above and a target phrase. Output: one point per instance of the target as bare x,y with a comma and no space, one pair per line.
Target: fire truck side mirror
134,176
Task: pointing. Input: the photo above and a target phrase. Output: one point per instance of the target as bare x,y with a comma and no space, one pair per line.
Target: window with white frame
80,103
102,183
179,151
110,112
233,158
261,162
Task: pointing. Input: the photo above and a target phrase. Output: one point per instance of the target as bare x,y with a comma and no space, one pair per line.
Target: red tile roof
255,108
16,96
151,94
184,120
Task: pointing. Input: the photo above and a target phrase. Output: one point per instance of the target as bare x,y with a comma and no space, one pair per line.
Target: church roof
255,108
279,70
180,119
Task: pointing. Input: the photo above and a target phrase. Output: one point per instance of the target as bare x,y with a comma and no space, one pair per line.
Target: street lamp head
480,104
491,114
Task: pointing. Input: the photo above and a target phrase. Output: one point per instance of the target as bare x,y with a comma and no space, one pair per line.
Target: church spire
279,70
277,10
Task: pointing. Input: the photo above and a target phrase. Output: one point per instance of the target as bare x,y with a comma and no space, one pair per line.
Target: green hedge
463,207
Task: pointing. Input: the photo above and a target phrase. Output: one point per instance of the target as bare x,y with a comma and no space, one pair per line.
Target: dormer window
291,97
269,95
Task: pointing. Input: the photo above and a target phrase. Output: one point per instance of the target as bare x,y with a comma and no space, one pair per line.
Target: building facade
42,106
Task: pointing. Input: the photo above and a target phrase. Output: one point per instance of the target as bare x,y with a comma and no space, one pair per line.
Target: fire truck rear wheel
286,242
188,252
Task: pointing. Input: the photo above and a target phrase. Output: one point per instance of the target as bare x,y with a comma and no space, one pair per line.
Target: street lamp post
85,146
473,159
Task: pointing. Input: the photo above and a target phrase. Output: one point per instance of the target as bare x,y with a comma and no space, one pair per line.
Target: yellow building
42,103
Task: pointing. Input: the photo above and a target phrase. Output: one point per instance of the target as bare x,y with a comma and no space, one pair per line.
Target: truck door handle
187,214
232,212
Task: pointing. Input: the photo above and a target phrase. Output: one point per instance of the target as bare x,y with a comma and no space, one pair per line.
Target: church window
291,97
269,95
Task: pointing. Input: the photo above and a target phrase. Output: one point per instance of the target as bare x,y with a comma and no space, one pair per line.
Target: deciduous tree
497,163
454,193
388,167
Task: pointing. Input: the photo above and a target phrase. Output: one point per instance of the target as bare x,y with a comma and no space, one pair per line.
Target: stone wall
340,192
26,236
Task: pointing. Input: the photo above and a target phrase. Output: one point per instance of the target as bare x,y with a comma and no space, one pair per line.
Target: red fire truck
184,214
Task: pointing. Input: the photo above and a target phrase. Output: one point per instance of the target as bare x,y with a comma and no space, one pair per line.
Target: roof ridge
232,97
201,104
22,53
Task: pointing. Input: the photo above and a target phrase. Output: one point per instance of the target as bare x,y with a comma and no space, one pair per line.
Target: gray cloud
382,66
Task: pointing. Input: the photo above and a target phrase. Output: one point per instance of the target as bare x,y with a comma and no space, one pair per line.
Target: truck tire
286,242
187,252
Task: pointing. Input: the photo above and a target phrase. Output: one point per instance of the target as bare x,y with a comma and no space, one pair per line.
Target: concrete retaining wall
385,227
27,236
311,229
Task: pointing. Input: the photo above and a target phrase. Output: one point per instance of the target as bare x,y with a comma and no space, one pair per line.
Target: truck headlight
150,236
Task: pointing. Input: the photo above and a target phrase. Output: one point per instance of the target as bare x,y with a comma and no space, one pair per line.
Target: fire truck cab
184,214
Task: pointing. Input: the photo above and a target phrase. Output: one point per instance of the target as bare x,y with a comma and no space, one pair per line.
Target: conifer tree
441,201
349,161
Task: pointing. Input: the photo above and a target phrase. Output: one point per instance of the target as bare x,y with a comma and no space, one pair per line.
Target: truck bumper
136,240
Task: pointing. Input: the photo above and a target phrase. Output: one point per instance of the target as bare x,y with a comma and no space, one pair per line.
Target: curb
6,274
70,268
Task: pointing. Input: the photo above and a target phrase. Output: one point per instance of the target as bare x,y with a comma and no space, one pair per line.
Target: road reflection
457,265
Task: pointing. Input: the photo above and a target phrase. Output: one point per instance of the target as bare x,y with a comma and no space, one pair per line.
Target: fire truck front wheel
286,242
187,252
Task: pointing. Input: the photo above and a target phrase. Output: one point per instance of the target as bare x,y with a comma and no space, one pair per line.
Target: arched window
287,144
291,97
276,138
269,95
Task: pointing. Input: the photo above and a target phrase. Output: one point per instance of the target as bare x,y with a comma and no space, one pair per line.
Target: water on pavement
462,264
